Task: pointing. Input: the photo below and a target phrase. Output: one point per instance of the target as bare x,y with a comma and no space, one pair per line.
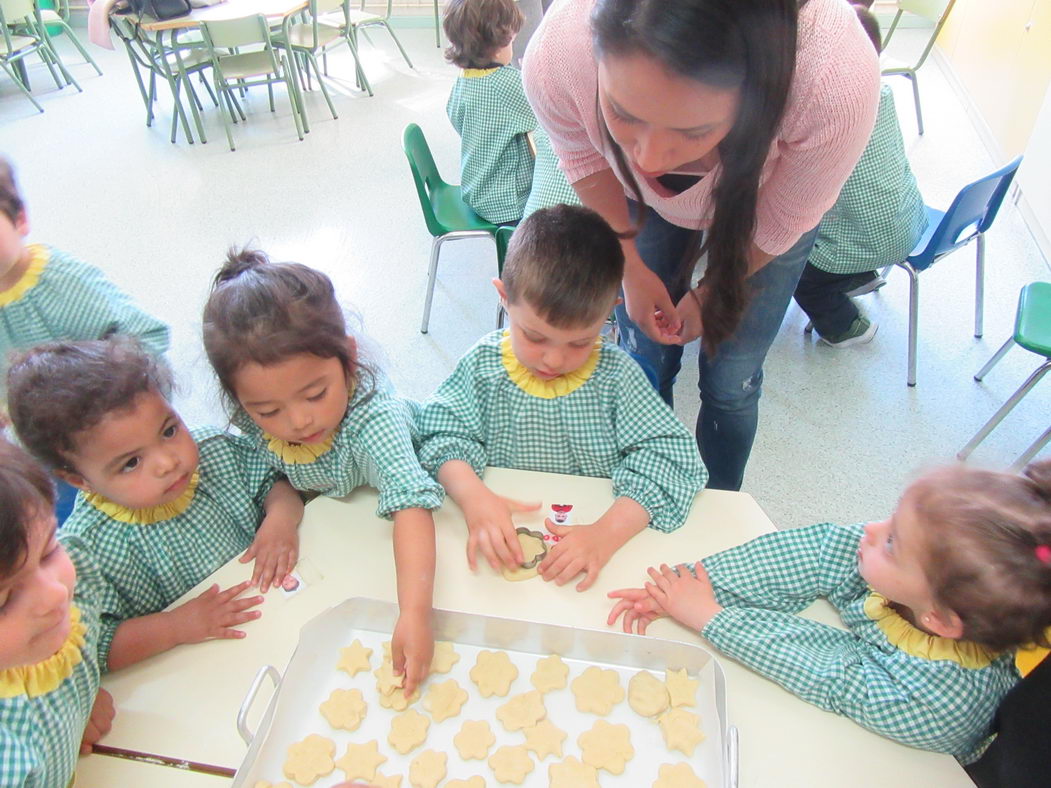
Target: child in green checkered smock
488,108
49,665
550,186
312,409
877,221
160,507
551,395
934,601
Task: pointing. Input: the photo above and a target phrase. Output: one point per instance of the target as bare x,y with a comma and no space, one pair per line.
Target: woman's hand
689,311
686,596
649,305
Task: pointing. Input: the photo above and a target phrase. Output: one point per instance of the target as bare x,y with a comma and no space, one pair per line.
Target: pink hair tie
1043,553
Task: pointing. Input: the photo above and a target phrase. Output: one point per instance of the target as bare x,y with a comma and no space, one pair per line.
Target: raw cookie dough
550,674
445,700
493,672
533,551
391,695
380,781
359,762
354,658
444,657
597,690
606,746
344,709
679,775
681,688
470,782
571,773
511,764
309,759
427,769
647,695
544,739
682,730
474,740
408,731
265,784
522,711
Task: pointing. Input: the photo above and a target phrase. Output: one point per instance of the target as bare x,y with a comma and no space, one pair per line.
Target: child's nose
300,417
50,593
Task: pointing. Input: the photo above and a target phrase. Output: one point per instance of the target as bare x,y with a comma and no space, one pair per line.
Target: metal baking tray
292,711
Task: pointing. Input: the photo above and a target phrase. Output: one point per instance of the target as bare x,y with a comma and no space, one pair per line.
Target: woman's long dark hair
747,44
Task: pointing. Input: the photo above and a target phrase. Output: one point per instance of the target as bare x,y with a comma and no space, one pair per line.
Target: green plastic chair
22,34
58,17
447,216
1032,332
936,11
305,40
249,69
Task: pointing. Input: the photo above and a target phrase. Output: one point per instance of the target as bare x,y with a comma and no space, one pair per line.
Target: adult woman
741,118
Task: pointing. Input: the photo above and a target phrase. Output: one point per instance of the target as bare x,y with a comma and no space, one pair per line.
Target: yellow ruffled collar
547,389
473,73
298,453
150,514
38,258
918,643
43,677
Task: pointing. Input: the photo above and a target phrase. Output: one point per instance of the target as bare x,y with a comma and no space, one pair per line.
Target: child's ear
22,223
74,480
946,624
500,289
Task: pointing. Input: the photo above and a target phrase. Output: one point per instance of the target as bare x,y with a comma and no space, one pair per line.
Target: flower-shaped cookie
408,731
354,658
444,657
550,674
427,769
522,711
386,681
309,759
474,740
380,781
647,694
679,775
544,739
511,764
265,784
597,690
682,730
606,746
681,688
445,700
571,773
344,709
397,699
359,762
470,782
493,672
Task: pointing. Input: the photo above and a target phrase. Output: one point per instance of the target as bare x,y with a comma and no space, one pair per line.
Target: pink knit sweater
829,117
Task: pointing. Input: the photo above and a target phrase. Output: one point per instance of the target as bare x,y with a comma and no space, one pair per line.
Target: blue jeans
730,383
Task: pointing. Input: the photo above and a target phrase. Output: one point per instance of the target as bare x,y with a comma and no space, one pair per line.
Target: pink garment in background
98,23
829,117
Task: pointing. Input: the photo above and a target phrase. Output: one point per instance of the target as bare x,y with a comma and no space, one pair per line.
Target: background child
934,599
50,702
877,221
160,507
550,395
311,408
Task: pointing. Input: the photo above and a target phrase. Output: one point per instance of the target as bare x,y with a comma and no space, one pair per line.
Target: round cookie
597,690
474,740
511,764
344,709
522,711
309,759
359,762
682,690
647,694
571,773
544,739
678,775
682,730
427,769
493,672
550,674
606,746
445,700
408,731
354,658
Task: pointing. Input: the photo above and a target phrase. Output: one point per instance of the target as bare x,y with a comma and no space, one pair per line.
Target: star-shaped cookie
444,700
354,658
682,730
681,688
544,739
359,762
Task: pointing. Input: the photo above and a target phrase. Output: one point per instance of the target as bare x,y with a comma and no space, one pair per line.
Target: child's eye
130,465
319,396
169,432
266,414
888,544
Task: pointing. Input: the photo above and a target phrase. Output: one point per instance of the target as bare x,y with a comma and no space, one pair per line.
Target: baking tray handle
732,756
246,704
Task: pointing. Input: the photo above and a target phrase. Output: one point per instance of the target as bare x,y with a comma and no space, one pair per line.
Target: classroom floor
840,433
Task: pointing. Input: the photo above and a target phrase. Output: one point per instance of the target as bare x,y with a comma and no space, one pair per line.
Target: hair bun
1039,476
238,261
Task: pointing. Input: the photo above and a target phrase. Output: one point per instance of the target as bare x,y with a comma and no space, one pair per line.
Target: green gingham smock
879,216
373,445
932,704
40,736
147,567
614,426
488,108
550,186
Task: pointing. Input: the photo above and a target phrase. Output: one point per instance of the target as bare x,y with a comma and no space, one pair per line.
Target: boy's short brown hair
566,263
11,204
477,29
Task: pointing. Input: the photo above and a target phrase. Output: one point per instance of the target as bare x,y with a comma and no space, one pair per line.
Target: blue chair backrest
971,213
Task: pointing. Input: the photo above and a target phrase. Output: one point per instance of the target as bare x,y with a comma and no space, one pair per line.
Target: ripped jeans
731,382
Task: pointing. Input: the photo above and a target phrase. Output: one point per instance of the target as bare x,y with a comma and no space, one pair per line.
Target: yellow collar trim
150,514
547,389
38,258
472,73
43,677
299,453
918,643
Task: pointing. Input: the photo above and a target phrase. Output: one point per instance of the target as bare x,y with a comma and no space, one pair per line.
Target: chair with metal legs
22,34
1032,332
59,17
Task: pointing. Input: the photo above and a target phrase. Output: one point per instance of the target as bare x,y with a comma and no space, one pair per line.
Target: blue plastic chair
968,219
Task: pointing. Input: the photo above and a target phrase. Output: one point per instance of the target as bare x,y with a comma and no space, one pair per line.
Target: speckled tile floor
840,433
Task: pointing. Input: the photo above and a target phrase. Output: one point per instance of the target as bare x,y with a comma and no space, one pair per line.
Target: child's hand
639,609
100,721
214,613
411,649
490,530
688,599
275,550
583,548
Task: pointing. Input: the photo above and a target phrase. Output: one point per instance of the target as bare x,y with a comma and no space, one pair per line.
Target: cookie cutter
540,556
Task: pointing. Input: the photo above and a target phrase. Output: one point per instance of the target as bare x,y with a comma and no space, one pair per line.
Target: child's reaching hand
639,609
214,613
582,548
412,648
686,596
275,550
100,721
491,530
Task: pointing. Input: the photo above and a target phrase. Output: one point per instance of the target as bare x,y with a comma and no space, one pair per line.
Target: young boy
877,220
549,394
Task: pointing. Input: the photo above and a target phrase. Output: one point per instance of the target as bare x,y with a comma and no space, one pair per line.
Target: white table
183,703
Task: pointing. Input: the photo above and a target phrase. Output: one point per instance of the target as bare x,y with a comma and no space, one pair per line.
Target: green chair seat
452,213
1033,321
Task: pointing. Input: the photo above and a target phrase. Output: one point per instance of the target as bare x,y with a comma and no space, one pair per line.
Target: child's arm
210,615
276,544
100,721
412,645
